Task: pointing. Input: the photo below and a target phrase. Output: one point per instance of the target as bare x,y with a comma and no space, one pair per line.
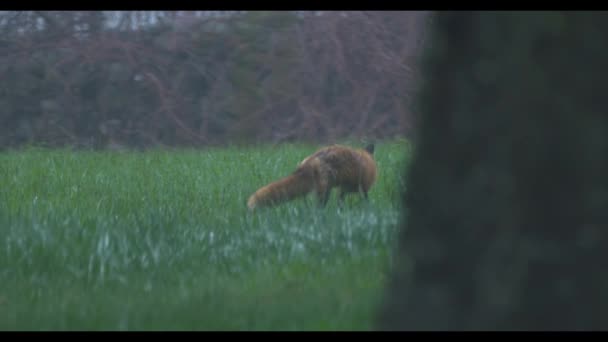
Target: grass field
162,240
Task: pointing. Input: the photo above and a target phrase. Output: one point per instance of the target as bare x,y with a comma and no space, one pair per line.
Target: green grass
162,240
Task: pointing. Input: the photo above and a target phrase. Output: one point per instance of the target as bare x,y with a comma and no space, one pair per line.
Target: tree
507,192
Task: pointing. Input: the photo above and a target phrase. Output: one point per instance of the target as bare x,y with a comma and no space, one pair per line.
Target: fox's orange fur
351,170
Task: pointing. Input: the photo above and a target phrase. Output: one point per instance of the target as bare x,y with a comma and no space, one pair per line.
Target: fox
352,170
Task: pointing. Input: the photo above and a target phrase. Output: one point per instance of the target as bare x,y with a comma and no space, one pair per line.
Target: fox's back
345,167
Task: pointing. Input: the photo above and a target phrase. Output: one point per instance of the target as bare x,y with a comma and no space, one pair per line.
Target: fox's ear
370,148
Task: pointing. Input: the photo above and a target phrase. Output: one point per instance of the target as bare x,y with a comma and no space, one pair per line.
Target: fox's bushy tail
295,185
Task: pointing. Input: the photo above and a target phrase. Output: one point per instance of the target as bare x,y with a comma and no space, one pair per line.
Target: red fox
351,170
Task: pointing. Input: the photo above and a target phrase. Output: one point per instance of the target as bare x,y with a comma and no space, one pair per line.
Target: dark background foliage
138,79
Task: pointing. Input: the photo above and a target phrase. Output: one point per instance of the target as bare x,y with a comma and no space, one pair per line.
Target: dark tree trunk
507,196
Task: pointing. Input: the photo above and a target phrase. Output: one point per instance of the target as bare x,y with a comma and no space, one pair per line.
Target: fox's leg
341,198
323,191
323,196
363,193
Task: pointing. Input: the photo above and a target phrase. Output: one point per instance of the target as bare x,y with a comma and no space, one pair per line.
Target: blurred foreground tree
507,194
